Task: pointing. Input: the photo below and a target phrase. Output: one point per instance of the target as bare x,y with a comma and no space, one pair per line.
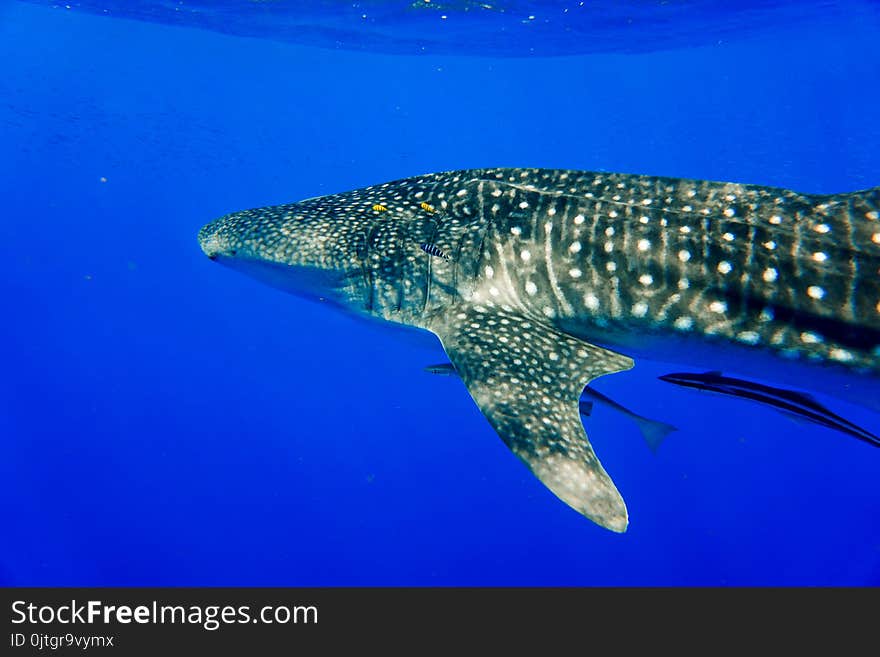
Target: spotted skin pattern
545,265
527,379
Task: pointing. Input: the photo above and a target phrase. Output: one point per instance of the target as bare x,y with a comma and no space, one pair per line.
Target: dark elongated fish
555,278
792,402
652,431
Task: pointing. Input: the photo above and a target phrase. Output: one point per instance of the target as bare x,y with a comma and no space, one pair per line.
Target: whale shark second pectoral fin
527,377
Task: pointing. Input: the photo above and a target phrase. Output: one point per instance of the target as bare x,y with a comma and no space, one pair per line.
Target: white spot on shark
841,355
748,337
808,337
684,323
815,292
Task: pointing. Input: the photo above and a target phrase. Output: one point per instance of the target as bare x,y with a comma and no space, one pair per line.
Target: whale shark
538,281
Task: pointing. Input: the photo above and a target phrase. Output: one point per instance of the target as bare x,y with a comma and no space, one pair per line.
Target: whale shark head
379,251
313,249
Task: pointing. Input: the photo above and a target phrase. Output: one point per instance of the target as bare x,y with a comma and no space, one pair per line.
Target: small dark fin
585,408
802,397
653,431
500,363
443,369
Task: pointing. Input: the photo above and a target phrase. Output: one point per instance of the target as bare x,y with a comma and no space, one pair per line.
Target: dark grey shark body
552,278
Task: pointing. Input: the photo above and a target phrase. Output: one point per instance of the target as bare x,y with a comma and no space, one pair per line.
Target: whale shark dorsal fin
527,378
585,407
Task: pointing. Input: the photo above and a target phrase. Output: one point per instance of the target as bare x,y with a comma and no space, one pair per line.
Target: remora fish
791,402
555,278
652,431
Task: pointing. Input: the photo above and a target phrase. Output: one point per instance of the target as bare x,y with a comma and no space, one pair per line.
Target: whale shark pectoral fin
527,378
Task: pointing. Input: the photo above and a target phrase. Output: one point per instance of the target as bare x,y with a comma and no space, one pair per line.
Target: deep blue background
165,421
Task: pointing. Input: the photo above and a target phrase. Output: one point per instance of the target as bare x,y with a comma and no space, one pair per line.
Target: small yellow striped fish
427,207
379,208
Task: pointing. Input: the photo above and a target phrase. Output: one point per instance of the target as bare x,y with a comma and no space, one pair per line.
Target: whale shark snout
210,241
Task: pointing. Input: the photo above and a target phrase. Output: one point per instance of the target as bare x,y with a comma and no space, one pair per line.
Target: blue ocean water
164,421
